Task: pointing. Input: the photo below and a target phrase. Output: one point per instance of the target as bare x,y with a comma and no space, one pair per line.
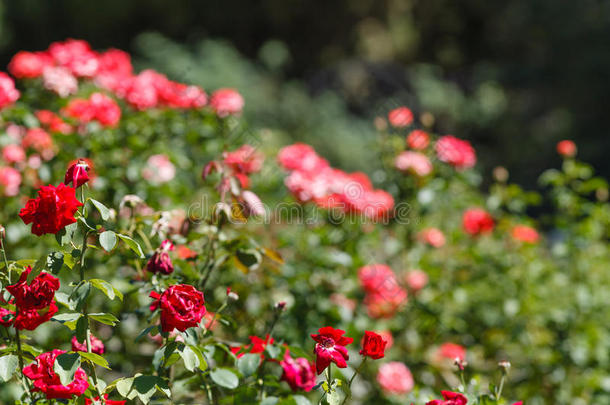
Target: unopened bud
2,232
280,305
504,365
460,363
232,295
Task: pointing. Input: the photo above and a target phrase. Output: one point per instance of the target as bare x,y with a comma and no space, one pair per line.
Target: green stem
145,239
500,388
24,380
349,384
8,273
209,263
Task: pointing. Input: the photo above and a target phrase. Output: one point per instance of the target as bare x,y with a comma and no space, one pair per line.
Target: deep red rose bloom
8,93
452,351
45,379
299,373
28,64
160,261
30,319
97,346
106,401
457,152
52,210
373,345
77,174
449,398
566,148
400,117
418,139
525,234
226,102
38,294
181,305
330,347
477,221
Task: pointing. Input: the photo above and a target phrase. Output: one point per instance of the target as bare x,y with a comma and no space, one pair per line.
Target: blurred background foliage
503,74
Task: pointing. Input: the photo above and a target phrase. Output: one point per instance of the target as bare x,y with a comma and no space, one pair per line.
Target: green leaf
247,260
124,386
108,240
69,320
54,261
79,295
153,330
104,318
95,359
133,245
269,401
190,358
225,378
106,288
273,351
104,211
301,400
145,387
65,366
248,363
81,328
8,365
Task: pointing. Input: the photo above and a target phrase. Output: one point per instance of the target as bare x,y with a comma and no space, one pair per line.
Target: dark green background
549,59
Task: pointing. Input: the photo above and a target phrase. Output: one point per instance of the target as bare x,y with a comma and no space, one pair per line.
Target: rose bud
373,345
2,232
160,261
78,174
232,295
280,305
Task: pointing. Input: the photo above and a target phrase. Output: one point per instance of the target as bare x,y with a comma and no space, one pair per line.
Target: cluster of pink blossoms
63,63
312,178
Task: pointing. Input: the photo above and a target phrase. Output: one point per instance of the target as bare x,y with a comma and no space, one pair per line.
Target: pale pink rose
226,102
159,169
413,162
10,180
13,153
416,279
433,237
395,378
59,80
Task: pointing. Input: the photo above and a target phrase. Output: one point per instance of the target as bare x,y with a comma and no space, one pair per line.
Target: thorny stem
208,266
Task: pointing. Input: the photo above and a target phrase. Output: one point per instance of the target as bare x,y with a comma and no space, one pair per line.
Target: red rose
97,346
449,398
299,373
30,319
182,307
301,157
38,294
160,261
28,64
418,139
246,159
45,379
52,210
477,221
452,351
77,174
226,102
457,152
400,117
257,345
566,148
373,345
330,347
525,234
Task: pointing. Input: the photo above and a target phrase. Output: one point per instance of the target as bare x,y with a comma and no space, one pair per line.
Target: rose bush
188,258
